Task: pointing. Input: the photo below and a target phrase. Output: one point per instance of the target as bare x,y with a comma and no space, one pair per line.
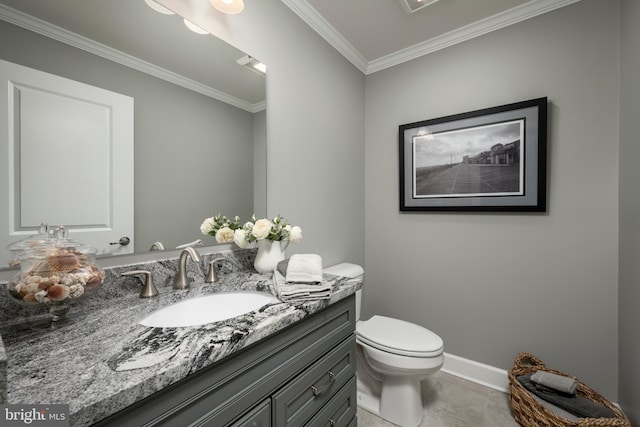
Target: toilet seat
399,337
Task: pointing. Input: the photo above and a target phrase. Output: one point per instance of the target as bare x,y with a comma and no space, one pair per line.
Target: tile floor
450,401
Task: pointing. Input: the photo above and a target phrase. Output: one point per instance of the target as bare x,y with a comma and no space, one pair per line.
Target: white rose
261,228
207,226
295,234
240,238
224,235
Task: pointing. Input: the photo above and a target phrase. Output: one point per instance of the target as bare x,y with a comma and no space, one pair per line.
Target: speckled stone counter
101,360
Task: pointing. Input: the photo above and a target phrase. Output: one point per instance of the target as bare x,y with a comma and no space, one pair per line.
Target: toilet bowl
393,357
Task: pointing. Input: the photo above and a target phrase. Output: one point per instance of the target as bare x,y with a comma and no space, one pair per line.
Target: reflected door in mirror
69,156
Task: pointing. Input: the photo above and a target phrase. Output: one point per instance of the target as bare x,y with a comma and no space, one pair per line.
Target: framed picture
486,160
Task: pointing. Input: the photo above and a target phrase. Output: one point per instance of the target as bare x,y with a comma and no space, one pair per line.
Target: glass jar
16,248
54,274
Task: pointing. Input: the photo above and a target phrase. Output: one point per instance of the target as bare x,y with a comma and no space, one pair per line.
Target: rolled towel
555,382
288,292
304,268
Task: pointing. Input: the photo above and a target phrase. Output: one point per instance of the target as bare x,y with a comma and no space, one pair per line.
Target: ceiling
160,45
371,34
378,34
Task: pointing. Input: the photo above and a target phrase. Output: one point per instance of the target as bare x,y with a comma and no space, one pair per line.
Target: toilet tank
352,271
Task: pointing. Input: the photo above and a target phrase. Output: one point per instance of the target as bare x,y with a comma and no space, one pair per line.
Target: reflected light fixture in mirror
193,27
230,7
158,8
253,64
190,25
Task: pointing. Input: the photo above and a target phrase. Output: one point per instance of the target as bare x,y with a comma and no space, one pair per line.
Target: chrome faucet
149,288
181,281
157,246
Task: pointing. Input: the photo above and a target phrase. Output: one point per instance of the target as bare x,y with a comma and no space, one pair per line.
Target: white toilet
393,357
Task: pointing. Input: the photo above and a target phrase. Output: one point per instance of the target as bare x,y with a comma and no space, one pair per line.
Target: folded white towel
304,268
291,292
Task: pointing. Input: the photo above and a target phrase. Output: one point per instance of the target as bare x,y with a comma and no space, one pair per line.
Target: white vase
270,253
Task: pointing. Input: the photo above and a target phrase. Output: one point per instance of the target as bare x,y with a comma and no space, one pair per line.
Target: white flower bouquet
227,231
220,227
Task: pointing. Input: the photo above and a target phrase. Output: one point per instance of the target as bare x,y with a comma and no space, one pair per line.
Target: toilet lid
399,337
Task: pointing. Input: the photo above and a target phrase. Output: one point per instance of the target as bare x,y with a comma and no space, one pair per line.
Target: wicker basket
529,413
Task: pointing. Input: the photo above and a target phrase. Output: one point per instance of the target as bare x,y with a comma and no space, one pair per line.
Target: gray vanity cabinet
301,376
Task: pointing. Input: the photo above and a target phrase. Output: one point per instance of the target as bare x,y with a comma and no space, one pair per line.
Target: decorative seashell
69,279
34,279
58,292
93,282
40,295
38,267
31,288
55,279
30,298
82,258
75,291
44,284
63,262
18,287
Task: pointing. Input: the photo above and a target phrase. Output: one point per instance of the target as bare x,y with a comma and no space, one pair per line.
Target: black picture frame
492,159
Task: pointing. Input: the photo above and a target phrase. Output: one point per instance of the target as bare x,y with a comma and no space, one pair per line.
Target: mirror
199,117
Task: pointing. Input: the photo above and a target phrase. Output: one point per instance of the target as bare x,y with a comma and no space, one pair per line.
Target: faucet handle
149,288
211,273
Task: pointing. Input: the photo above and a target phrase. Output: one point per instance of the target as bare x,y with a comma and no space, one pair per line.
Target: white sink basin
208,309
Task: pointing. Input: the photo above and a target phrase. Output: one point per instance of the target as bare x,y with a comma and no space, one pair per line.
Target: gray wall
629,248
260,164
492,285
185,143
315,128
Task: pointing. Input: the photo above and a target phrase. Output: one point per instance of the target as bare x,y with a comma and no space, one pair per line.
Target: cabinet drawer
298,401
340,411
257,417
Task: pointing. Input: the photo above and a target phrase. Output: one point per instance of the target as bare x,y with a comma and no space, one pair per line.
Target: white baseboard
486,375
477,372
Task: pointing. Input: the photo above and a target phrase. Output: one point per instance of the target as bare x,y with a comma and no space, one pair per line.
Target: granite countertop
101,360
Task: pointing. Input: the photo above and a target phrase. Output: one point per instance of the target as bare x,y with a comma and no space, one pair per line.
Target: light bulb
230,7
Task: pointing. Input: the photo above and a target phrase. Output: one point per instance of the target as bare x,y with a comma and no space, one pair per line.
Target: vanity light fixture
158,7
411,6
253,64
230,7
190,25
193,27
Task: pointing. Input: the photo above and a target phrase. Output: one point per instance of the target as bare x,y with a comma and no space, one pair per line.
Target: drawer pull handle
317,391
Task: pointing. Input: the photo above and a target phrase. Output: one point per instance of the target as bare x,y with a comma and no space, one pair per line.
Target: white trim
321,26
47,29
512,16
479,373
476,372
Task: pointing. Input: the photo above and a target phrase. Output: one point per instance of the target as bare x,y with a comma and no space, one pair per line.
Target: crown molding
479,28
512,16
60,34
321,26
